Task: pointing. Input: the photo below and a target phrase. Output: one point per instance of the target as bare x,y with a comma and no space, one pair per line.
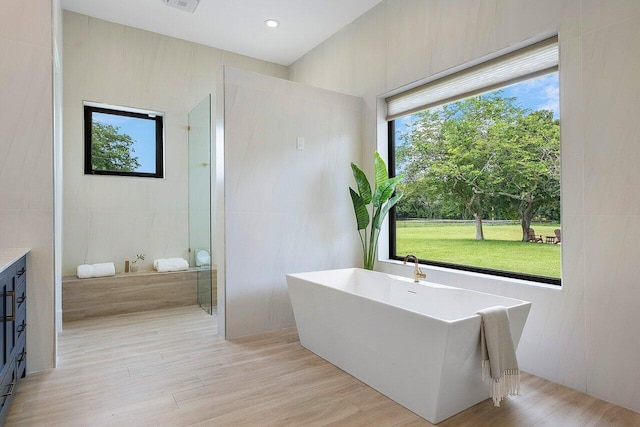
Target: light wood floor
168,368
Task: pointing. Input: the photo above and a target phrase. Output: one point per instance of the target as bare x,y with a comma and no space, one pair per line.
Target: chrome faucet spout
417,273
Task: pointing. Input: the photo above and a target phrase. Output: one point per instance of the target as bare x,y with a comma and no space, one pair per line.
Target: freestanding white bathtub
417,343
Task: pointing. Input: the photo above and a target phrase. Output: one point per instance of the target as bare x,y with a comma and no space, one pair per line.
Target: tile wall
581,335
26,161
109,218
285,210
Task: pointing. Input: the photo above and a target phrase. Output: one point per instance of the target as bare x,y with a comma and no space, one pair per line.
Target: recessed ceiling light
271,23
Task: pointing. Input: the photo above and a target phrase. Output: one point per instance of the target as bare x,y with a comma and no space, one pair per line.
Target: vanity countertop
11,255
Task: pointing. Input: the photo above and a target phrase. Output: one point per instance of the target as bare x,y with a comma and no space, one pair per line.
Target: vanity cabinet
13,330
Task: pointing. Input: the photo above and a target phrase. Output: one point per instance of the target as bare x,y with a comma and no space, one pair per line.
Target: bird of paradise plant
381,199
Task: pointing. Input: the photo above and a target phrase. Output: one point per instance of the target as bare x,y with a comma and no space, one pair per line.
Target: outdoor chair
532,237
558,235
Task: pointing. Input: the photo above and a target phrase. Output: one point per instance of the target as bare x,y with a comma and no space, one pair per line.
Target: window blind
534,60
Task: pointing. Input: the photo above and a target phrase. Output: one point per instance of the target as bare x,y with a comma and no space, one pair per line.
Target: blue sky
540,93
141,131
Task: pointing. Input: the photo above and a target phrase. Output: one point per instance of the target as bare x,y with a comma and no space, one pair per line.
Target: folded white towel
172,260
171,264
85,271
105,269
499,363
155,261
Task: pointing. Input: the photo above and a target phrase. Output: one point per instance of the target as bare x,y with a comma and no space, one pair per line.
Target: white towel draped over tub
87,271
499,363
170,264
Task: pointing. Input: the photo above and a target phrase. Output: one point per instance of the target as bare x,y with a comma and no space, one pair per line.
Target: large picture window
481,168
121,141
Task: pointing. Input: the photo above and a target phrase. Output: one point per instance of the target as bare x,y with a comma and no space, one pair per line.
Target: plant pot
134,268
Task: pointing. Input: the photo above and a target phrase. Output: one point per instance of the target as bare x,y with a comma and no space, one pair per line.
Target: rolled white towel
105,269
155,261
85,271
171,264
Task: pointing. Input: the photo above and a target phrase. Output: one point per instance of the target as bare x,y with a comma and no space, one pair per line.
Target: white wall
582,336
285,210
26,161
110,218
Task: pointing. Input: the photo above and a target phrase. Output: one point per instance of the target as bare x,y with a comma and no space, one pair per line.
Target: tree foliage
112,150
479,157
529,166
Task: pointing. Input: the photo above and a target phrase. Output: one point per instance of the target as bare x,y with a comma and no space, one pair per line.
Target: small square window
123,141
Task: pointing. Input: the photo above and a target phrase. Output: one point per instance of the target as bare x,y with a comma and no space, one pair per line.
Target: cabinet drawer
9,317
10,323
20,275
6,278
21,326
21,297
7,391
21,359
21,268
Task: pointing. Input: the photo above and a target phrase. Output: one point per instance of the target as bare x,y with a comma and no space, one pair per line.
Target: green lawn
501,249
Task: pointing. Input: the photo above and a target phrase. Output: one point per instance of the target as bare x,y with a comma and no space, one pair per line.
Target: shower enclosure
200,204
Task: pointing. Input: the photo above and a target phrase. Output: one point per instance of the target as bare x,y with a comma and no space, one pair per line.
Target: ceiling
236,25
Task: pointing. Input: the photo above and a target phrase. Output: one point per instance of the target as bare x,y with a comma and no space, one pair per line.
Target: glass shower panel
200,237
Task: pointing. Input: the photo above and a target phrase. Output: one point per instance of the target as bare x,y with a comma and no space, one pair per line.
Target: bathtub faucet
417,273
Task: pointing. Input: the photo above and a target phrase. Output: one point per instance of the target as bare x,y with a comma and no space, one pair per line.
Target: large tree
483,153
112,150
450,150
420,203
529,165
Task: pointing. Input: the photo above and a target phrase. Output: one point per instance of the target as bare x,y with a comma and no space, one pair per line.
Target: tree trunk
479,233
526,223
526,215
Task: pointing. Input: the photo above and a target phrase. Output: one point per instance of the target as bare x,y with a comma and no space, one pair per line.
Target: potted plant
382,199
134,266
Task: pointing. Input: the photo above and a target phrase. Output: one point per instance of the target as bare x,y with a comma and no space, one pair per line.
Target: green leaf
385,191
111,150
364,188
382,212
380,169
360,210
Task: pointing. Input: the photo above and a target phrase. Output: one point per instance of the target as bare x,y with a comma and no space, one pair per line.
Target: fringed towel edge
507,385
